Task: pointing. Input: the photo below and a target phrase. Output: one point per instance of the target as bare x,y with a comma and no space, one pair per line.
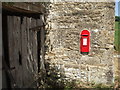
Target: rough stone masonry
65,22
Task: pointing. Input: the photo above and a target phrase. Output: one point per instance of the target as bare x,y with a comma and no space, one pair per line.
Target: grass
117,25
117,81
117,36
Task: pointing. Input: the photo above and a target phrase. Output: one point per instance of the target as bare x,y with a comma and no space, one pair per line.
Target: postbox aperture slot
84,35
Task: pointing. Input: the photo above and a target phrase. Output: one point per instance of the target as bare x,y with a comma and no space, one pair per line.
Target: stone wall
65,21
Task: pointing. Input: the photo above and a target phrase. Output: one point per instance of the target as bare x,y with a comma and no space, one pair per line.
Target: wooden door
23,54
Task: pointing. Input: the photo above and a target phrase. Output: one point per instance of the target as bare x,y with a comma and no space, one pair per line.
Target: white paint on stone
96,30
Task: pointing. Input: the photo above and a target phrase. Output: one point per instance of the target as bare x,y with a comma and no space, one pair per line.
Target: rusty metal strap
37,28
8,70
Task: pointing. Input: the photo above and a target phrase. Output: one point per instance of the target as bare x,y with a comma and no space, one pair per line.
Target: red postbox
84,42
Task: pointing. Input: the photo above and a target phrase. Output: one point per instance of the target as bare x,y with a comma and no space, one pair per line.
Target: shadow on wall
54,76
109,75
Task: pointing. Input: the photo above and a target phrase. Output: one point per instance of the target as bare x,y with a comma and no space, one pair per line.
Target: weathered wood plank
10,37
14,46
18,57
10,44
27,75
24,52
31,44
29,68
23,7
41,61
28,60
34,47
41,22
